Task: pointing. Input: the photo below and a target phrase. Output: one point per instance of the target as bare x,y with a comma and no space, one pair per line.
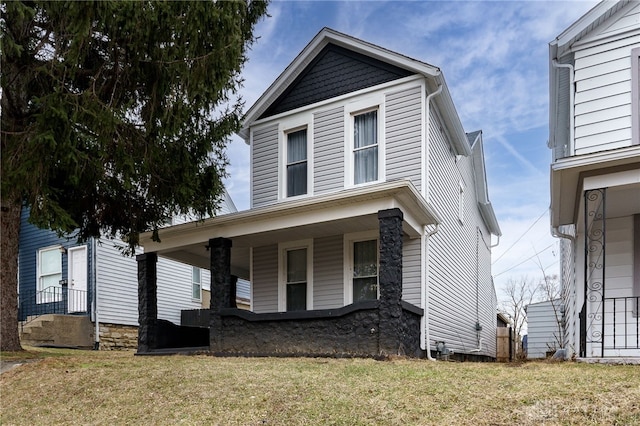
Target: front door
77,279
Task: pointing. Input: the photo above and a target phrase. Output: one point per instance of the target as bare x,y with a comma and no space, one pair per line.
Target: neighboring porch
610,313
384,326
596,199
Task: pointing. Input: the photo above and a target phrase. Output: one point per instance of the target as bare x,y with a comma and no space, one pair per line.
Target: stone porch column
147,301
220,266
390,281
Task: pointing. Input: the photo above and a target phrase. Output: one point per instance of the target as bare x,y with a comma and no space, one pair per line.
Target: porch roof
350,210
568,175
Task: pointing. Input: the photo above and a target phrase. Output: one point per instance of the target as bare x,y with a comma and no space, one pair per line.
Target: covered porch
601,199
225,245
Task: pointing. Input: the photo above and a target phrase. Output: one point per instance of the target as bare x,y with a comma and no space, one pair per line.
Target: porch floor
611,360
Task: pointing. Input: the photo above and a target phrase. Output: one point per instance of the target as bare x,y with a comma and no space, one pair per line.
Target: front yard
83,387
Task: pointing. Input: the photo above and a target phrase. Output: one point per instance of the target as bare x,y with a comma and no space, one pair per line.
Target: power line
527,259
521,236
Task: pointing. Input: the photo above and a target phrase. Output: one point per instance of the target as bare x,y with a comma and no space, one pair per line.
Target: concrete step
59,330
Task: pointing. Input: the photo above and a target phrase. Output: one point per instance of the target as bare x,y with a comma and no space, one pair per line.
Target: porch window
49,275
297,163
365,270
297,280
196,283
295,289
365,147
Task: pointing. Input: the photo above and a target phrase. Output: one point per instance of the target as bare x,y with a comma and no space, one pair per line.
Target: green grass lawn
84,387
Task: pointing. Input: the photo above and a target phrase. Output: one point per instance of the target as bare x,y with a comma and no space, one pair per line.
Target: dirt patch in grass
120,388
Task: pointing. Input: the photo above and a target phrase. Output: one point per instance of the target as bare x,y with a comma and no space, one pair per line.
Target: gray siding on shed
403,128
328,275
328,150
264,279
543,333
264,164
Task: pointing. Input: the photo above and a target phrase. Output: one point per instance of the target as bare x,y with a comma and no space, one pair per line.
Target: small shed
544,328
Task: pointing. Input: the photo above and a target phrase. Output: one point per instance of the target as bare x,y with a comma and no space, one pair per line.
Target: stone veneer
114,337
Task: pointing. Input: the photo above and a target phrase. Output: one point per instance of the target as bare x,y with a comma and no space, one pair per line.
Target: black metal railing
51,300
622,323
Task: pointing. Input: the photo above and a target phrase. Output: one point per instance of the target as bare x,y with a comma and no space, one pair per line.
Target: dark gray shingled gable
334,72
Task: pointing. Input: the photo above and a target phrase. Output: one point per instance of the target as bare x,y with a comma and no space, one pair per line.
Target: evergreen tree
115,116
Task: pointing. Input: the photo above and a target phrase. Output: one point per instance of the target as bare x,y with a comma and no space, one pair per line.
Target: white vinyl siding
603,111
328,150
619,257
328,289
117,280
264,169
543,332
459,275
403,128
264,279
411,266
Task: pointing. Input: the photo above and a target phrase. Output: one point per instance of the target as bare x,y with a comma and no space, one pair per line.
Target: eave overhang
567,175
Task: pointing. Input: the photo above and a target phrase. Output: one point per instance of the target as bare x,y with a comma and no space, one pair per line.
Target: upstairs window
297,163
365,147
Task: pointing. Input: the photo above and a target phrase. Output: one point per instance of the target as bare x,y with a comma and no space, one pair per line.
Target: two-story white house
595,178
370,227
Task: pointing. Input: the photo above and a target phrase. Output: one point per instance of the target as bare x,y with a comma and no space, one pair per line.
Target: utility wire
521,236
527,259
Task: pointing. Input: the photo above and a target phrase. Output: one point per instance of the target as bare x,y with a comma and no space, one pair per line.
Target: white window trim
199,299
286,126
635,96
349,240
38,272
282,271
373,102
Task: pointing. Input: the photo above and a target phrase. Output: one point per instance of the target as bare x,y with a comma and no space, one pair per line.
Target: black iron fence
622,322
51,300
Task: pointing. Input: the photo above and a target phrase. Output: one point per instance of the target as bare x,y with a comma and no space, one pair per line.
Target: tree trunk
10,237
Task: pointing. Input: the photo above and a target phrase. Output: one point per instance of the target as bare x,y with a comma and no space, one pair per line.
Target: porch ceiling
568,181
347,211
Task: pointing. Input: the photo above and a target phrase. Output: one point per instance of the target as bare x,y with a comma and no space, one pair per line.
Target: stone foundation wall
117,337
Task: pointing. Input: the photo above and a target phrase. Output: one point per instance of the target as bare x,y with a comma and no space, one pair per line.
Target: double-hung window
296,284
365,270
361,267
297,163
365,147
196,283
49,275
295,264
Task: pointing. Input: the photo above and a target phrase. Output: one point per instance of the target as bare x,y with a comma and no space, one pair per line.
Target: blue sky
494,56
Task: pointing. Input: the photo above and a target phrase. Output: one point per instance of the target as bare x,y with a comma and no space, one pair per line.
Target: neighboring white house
595,178
544,328
101,283
350,139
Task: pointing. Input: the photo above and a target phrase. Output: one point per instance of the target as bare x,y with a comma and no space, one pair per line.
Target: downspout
555,232
571,105
96,344
425,345
425,293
